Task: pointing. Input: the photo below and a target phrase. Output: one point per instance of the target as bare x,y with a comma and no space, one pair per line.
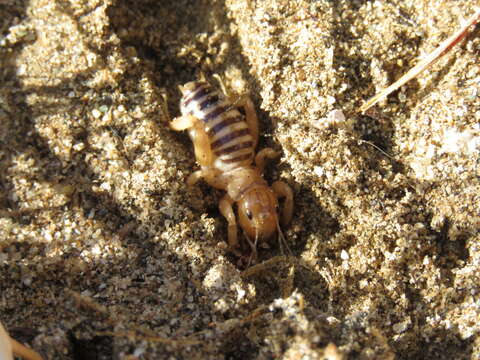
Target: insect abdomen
230,138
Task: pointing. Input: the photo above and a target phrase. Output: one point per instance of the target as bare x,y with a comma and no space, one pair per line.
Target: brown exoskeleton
225,140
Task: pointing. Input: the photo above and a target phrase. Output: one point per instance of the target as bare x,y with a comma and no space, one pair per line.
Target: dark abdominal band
226,122
231,149
212,110
213,114
200,91
229,137
209,102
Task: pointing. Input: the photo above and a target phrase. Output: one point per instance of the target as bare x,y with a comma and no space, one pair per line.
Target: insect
224,133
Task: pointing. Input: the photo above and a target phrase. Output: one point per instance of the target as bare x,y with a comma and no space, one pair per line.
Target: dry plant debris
93,198
445,47
10,347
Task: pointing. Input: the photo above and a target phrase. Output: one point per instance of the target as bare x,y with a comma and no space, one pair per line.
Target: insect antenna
253,246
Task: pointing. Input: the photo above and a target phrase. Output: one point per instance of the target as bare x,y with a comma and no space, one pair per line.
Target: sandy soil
106,254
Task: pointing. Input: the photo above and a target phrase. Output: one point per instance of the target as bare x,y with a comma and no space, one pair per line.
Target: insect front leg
267,153
226,209
282,190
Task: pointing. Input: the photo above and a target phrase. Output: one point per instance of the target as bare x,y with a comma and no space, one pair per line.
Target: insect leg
283,190
250,116
194,177
209,175
226,208
201,144
246,103
182,122
267,153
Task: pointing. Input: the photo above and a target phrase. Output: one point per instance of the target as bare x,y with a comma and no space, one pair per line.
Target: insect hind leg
182,122
250,116
246,103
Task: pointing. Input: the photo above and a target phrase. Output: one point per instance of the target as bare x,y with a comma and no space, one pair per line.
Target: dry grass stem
422,65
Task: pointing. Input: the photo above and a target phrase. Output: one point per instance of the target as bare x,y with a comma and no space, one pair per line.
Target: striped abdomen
230,138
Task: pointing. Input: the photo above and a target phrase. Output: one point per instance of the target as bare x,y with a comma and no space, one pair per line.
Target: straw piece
422,65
